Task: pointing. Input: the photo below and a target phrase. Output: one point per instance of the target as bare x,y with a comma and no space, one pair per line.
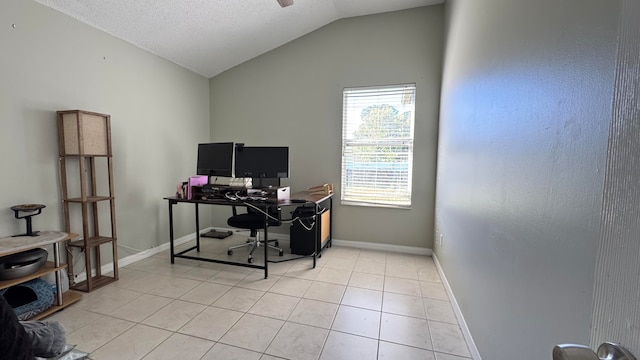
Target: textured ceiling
211,36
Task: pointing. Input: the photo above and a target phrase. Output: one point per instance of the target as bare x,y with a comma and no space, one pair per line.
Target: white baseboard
475,354
383,247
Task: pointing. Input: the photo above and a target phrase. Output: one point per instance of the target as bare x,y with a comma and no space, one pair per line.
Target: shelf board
97,282
89,199
84,155
92,241
46,269
68,298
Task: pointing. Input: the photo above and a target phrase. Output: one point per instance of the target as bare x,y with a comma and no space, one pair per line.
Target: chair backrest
273,213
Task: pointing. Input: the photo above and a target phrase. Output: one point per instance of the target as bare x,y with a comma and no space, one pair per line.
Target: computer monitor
262,162
215,159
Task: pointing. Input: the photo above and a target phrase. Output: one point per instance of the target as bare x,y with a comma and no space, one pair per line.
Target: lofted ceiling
211,36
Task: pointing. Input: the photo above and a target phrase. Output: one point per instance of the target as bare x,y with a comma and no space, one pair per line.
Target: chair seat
249,221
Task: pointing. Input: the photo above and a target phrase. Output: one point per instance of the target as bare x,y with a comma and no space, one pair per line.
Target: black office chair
253,221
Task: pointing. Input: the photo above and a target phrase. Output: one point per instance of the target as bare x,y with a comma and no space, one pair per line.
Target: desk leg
330,242
315,238
197,229
266,246
171,230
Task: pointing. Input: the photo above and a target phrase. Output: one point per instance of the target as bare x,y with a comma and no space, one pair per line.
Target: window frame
392,172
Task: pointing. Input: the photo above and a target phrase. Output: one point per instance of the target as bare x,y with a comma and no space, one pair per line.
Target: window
377,145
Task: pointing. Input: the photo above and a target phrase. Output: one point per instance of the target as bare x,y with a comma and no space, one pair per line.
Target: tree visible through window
377,145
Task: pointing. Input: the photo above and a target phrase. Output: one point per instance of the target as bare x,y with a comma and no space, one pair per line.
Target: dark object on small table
29,209
22,264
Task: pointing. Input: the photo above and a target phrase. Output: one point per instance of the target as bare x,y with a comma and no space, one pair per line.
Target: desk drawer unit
303,235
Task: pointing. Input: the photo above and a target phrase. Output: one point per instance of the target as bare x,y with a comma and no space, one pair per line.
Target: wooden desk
220,202
12,245
315,199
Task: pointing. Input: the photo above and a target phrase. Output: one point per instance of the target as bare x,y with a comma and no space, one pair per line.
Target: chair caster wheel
277,244
281,252
229,252
250,260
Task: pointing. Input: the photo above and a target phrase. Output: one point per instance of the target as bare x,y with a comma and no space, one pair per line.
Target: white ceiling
211,36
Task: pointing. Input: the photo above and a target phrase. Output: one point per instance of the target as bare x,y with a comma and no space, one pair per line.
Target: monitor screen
215,159
262,161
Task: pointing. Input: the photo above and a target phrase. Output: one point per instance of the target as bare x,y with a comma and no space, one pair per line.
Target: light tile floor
356,304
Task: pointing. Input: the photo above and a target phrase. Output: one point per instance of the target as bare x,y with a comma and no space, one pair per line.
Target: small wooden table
12,245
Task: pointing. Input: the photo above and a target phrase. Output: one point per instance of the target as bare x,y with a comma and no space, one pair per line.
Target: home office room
147,86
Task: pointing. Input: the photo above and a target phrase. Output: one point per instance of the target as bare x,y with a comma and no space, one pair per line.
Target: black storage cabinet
303,240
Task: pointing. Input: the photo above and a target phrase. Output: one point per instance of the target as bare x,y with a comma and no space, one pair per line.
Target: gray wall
616,314
525,113
293,96
159,112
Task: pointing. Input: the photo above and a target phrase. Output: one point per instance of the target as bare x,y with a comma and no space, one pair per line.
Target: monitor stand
261,183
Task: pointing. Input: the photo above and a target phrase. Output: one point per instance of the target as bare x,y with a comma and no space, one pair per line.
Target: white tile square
448,338
406,331
238,299
369,267
275,306
252,332
182,347
229,277
440,310
334,276
227,352
206,293
105,300
433,290
98,333
367,281
256,281
363,298
74,318
402,286
341,346
172,287
325,292
212,323
291,286
296,341
314,312
173,316
375,256
141,307
391,351
357,321
134,344
340,263
404,305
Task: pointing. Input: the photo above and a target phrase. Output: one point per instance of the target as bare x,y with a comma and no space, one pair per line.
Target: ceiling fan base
285,3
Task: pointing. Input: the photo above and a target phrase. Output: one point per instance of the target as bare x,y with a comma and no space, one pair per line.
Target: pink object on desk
196,181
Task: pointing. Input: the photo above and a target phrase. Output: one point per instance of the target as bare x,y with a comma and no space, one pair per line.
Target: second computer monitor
215,159
263,162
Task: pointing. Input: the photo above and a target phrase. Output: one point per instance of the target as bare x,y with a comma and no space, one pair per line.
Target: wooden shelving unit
84,140
46,238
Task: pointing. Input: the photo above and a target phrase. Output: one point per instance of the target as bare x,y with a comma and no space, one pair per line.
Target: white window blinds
377,145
